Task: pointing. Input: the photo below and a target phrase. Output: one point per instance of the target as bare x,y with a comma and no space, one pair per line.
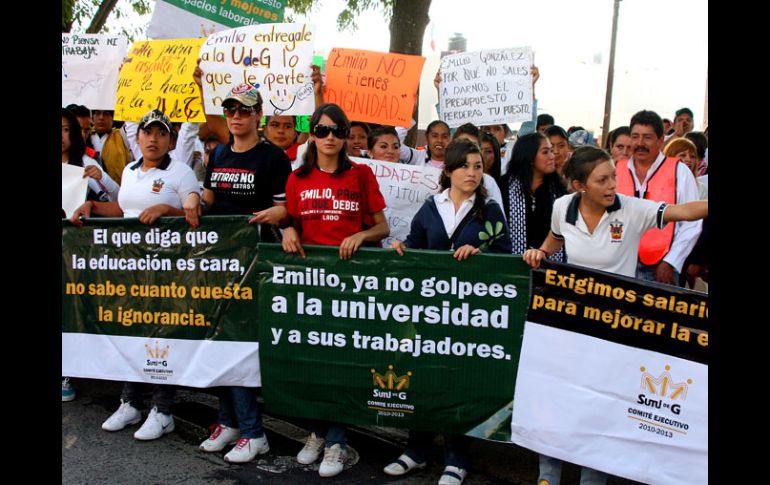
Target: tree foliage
78,15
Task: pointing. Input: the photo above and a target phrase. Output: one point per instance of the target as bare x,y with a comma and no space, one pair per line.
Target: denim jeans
647,273
238,409
455,448
333,433
550,470
162,395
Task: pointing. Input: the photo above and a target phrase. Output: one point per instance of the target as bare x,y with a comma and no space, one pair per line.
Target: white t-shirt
168,183
614,244
106,185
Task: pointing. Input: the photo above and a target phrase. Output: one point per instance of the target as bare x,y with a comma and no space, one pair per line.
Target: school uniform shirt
331,207
437,222
168,183
614,244
247,182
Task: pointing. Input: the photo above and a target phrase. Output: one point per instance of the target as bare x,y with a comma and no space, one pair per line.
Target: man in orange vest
648,174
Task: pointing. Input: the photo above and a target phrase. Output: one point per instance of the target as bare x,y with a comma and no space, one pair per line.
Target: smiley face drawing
282,99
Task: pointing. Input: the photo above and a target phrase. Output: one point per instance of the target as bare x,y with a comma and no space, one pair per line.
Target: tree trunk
101,16
407,29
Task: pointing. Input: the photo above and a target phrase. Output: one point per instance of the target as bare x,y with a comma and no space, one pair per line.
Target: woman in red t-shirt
331,200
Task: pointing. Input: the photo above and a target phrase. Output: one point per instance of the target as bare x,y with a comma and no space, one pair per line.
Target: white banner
90,64
486,87
194,363
277,58
626,411
405,188
73,188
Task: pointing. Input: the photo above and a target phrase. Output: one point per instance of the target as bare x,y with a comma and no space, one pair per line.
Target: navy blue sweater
490,235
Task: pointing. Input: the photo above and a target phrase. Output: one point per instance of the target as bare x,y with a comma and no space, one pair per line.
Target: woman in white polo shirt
153,187
601,229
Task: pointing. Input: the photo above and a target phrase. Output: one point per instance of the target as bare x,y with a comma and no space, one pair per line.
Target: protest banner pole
610,73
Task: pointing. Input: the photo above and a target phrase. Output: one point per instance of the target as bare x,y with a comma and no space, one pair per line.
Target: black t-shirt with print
247,182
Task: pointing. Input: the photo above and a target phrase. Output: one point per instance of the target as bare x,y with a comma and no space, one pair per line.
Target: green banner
124,278
420,341
234,13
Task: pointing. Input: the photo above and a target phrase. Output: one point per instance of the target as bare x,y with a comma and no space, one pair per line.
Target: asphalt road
93,456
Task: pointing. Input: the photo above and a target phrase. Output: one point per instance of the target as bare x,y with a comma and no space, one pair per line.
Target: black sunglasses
322,131
243,110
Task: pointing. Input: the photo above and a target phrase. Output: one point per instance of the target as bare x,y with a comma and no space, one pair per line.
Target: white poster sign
90,64
276,58
73,188
405,188
486,87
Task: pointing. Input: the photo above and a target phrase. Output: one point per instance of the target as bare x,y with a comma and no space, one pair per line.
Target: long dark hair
428,129
77,145
456,156
521,166
494,170
310,158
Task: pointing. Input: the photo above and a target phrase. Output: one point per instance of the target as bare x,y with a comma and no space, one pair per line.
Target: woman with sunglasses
350,201
262,169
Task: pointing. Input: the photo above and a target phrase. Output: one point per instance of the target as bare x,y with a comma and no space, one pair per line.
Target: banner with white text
163,303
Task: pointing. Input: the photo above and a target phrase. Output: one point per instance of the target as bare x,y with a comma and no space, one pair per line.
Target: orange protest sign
376,87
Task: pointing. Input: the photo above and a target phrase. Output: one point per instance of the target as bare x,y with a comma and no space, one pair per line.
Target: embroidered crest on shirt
616,231
157,184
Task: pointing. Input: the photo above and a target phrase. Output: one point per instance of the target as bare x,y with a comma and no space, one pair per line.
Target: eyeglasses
322,131
243,110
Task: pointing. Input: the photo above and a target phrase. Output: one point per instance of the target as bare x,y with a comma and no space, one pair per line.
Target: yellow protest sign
158,75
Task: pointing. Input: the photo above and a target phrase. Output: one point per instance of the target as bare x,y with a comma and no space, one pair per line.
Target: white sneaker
402,466
452,476
247,449
220,437
156,425
312,450
333,462
125,415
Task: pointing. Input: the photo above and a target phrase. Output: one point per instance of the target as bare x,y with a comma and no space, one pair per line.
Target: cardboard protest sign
375,87
160,76
89,69
73,188
405,188
178,19
276,58
486,87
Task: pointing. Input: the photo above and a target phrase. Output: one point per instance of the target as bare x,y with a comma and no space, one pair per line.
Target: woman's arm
214,124
690,211
104,209
533,256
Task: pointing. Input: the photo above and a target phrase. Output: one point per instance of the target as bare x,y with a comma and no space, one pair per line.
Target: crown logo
664,385
390,380
157,352
157,184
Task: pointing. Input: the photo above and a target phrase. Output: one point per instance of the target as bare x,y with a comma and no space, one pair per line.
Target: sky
661,57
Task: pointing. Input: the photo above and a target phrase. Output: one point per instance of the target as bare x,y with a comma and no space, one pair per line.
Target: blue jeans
333,433
550,470
647,273
456,448
162,395
238,409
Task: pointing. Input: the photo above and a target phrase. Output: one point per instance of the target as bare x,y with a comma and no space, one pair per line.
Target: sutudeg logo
664,385
390,380
389,395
